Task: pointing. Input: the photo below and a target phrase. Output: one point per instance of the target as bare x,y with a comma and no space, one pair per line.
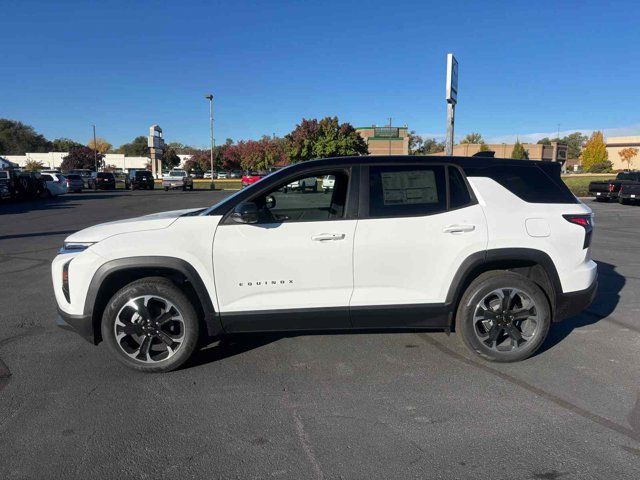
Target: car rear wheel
150,325
503,316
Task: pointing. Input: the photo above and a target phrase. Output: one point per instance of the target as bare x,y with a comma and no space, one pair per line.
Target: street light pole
95,149
210,98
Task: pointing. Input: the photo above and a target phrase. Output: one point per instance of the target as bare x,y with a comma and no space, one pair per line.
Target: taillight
68,183
586,222
611,187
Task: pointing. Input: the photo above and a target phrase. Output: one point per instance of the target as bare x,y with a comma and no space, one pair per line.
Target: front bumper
572,303
80,324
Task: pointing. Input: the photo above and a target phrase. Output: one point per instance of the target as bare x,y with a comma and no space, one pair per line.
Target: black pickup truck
629,193
609,190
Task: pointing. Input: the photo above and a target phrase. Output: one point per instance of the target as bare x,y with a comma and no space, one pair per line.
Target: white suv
497,249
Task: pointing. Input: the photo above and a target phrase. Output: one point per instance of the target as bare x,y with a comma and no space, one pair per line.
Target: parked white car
56,183
497,249
304,184
328,182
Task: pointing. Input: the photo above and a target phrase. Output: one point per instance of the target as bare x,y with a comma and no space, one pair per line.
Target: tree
33,166
627,154
16,138
484,147
101,145
324,138
574,143
472,138
137,148
170,158
81,157
519,152
181,149
64,144
594,152
415,143
544,141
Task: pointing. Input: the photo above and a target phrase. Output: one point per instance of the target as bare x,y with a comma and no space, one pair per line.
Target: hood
155,221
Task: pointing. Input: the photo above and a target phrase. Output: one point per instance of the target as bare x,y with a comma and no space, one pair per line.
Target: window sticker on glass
410,187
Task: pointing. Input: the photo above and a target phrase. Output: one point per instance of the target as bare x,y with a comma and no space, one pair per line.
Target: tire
623,201
182,330
478,334
152,187
166,189
191,188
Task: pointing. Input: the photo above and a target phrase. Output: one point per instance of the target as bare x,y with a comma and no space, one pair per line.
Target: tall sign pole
210,98
452,100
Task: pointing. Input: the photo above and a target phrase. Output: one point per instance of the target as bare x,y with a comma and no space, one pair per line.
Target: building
615,144
556,152
385,140
52,160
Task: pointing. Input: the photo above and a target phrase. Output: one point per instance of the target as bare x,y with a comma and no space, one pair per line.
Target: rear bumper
572,303
604,194
80,324
630,196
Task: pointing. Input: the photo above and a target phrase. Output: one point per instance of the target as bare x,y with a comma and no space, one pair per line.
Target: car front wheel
503,316
150,325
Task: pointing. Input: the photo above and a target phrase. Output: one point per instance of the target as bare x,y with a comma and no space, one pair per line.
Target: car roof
463,162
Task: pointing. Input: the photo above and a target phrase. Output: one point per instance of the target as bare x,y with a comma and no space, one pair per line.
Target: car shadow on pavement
229,346
610,283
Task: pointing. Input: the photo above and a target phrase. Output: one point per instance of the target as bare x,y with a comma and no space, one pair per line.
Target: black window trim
365,188
351,204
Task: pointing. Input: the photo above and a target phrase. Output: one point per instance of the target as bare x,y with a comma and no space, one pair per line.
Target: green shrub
601,167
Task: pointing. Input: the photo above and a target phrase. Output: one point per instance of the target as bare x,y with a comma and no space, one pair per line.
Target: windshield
178,174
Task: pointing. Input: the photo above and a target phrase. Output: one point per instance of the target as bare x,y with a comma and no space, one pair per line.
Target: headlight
75,247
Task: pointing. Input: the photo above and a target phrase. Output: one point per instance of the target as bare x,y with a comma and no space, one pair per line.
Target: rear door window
406,190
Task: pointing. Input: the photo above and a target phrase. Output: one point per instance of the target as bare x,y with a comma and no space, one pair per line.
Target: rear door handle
459,228
323,237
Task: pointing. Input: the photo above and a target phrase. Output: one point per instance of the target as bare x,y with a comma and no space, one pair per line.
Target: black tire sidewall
163,288
482,286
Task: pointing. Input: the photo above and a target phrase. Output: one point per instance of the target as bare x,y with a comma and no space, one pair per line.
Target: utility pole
95,149
210,98
389,134
452,100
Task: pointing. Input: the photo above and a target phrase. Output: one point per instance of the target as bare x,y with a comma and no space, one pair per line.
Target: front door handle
323,237
459,228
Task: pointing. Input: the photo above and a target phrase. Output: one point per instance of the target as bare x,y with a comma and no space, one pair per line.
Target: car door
418,224
292,269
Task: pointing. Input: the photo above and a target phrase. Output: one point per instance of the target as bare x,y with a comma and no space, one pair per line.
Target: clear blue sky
524,66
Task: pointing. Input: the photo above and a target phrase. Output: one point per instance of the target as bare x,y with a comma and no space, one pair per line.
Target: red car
251,177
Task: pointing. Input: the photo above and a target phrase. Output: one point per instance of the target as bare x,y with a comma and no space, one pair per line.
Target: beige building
556,152
385,140
615,144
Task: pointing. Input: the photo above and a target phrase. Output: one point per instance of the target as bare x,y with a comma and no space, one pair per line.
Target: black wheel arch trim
178,265
465,273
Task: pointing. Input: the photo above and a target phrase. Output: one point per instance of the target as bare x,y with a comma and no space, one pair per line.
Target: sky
526,69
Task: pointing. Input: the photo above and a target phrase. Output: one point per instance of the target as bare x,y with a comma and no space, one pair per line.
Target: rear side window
529,183
458,191
409,190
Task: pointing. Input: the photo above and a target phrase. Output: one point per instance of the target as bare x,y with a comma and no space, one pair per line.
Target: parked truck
610,189
177,178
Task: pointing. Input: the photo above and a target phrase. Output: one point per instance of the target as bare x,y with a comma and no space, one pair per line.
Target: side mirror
270,202
246,212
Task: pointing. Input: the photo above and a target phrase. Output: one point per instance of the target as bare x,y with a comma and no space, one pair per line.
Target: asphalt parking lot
409,405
